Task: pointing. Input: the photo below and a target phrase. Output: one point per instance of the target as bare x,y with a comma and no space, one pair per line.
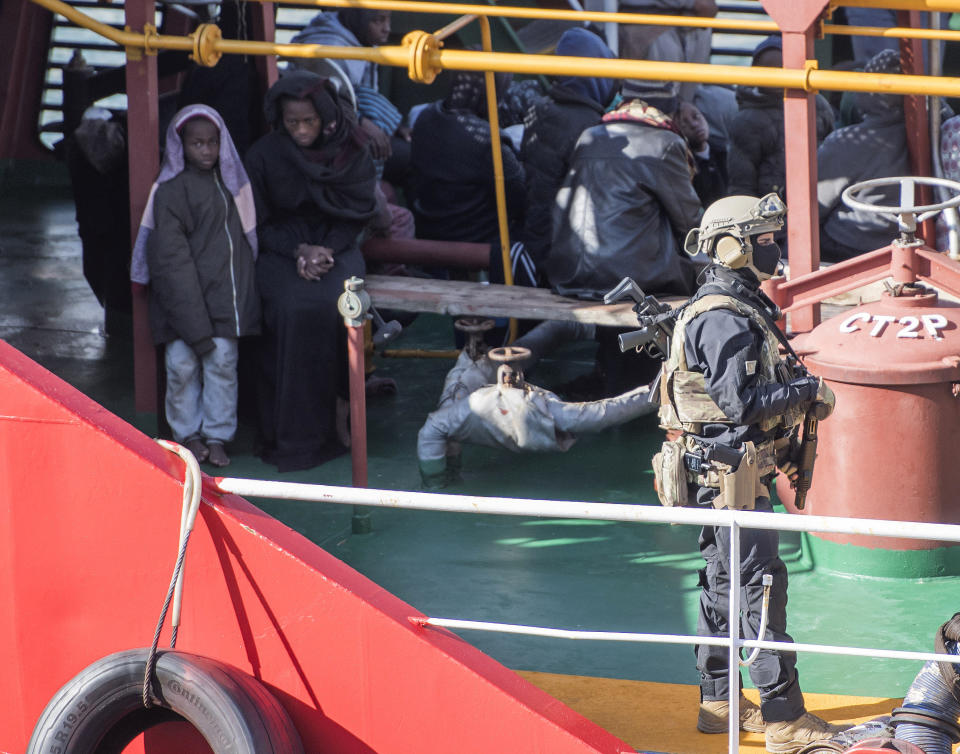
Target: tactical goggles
765,217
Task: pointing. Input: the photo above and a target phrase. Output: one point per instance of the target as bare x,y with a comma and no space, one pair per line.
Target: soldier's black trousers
773,673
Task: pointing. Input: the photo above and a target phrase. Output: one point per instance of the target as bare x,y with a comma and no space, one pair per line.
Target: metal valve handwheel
508,354
474,327
907,214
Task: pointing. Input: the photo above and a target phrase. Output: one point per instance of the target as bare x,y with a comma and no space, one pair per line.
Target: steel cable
188,515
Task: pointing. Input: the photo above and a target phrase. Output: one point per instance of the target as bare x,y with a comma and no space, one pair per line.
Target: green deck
564,574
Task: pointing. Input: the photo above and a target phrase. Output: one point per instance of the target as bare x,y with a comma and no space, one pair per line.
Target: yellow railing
423,55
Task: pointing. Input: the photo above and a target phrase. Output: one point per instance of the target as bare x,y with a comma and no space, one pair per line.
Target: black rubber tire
101,710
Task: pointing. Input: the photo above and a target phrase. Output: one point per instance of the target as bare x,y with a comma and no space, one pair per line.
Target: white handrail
713,641
512,506
735,520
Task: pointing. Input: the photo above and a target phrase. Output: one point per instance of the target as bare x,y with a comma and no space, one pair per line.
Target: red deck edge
88,532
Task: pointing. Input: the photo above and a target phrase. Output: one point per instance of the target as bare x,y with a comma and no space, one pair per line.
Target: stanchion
354,307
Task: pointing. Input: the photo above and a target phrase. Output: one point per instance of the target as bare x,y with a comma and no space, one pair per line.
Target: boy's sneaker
218,456
714,716
790,736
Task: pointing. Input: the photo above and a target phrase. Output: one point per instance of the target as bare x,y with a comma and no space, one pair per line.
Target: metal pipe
806,79
507,506
501,192
418,353
506,11
358,405
950,217
420,251
714,641
897,32
453,27
646,19
947,6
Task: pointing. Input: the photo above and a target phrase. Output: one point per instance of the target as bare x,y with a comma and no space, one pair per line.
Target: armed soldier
726,396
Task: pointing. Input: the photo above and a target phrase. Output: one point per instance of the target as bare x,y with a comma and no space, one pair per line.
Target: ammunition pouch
670,473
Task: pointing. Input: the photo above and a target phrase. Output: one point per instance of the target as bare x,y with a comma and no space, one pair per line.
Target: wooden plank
462,298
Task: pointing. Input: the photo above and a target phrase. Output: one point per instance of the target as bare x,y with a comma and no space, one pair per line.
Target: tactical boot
714,716
790,736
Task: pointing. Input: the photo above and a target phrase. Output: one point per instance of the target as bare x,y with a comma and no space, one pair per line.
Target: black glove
806,388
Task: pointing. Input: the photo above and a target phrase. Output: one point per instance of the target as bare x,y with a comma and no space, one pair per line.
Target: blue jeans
202,393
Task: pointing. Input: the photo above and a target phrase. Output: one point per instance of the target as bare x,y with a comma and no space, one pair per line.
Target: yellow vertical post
499,187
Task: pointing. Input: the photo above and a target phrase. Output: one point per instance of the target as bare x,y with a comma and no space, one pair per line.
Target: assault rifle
656,318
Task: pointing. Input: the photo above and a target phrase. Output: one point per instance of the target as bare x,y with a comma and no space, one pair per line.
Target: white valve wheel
907,210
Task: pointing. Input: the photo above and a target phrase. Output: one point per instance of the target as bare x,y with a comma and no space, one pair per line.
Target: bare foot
218,456
343,422
200,451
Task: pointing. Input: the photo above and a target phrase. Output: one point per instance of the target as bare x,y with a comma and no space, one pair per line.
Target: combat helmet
728,227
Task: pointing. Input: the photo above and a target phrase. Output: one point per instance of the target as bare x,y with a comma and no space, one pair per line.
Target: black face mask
766,257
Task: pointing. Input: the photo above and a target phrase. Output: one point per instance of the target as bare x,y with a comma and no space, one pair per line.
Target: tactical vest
684,401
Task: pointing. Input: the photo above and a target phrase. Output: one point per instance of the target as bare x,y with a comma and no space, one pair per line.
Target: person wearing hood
874,148
669,44
314,183
453,169
551,129
196,249
756,159
379,119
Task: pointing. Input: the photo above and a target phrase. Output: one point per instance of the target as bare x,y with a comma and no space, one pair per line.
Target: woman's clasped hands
313,262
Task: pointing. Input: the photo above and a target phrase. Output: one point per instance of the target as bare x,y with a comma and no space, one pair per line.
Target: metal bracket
354,302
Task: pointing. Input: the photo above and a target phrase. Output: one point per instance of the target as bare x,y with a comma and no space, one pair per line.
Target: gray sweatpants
201,397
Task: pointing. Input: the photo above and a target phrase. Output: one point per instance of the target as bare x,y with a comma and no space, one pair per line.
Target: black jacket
756,158
201,266
550,133
453,168
624,209
721,343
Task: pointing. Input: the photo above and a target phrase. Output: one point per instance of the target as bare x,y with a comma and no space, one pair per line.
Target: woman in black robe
313,181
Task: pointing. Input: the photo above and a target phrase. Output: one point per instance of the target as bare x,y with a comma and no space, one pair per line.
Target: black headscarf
338,169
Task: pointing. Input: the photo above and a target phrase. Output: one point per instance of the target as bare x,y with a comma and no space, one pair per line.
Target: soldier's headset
731,252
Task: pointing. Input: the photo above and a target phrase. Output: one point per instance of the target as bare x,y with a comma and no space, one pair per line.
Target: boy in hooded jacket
196,248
